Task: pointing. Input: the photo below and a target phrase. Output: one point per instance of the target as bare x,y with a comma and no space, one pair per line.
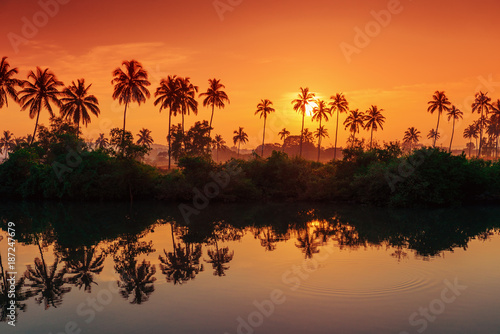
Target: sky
389,53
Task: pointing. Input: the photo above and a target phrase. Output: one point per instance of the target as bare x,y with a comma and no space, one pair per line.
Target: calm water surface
278,268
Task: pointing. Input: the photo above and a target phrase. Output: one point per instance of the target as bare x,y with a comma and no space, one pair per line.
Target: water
244,268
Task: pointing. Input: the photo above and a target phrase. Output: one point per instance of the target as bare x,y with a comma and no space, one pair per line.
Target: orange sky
263,49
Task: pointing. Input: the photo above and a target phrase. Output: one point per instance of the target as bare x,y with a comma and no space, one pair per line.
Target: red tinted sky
263,49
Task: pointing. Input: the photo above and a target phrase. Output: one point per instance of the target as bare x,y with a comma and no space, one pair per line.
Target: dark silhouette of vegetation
304,99
264,108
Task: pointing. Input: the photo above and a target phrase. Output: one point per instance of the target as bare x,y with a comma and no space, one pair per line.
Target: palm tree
130,86
469,133
493,131
299,105
284,133
308,136
308,243
482,104
433,135
240,136
137,281
101,141
187,101
145,138
412,136
7,82
181,265
76,103
374,119
321,112
84,265
7,142
218,144
440,103
354,121
320,133
264,108
167,95
454,114
215,97
40,93
340,105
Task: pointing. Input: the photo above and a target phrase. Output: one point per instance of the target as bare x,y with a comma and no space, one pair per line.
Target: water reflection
83,263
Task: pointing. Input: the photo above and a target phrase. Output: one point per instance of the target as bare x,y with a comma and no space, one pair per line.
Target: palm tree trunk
169,122
496,149
211,117
437,127
371,138
452,133
123,132
302,131
36,125
239,143
264,136
353,137
336,130
470,146
480,133
319,139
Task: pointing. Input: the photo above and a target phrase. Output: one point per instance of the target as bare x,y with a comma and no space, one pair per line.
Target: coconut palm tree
440,103
320,113
181,265
481,104
454,114
40,93
7,142
299,105
374,119
340,105
101,142
320,134
77,103
493,131
137,280
187,101
214,97
167,95
469,133
354,122
219,144
264,108
433,135
412,136
308,136
145,138
83,265
8,83
284,133
239,137
130,86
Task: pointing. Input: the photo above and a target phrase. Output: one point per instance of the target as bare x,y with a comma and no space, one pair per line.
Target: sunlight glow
309,108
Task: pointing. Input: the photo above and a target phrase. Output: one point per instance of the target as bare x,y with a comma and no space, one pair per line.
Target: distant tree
124,145
264,108
239,137
218,144
284,133
481,104
8,83
440,103
299,105
374,119
411,136
454,114
340,105
7,142
493,131
77,103
307,136
354,121
101,142
196,140
320,134
469,133
187,94
145,138
433,135
215,97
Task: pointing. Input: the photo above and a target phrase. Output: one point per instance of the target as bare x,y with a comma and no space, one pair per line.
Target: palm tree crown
299,105
77,103
411,136
374,119
214,97
481,104
7,82
340,105
264,108
354,122
239,137
145,137
440,103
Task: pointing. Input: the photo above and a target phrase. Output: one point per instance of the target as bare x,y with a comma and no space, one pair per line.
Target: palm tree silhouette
470,132
101,141
320,134
481,104
284,133
167,95
308,136
40,93
374,119
77,103
240,136
299,105
84,263
308,243
8,83
7,142
340,105
411,136
214,97
187,101
219,144
354,121
268,237
137,281
181,265
219,257
321,112
440,103
454,114
433,135
130,86
264,108
145,138
494,126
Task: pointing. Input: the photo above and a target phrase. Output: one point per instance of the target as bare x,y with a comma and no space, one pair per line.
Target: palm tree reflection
84,263
268,237
307,242
220,257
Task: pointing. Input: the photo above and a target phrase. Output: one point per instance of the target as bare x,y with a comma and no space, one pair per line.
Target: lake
251,268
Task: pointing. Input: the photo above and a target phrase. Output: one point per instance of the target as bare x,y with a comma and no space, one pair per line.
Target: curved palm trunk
211,117
169,125
470,146
371,138
123,132
302,131
452,133
353,137
437,127
36,126
264,136
183,138
319,140
336,131
480,134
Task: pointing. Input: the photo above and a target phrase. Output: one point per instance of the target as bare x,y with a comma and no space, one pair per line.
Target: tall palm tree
481,104
239,137
145,138
354,121
284,133
320,134
7,82
218,143
43,91
76,103
411,136
214,97
374,119
264,108
101,141
454,114
7,142
340,105
167,95
440,103
433,135
299,105
320,113
187,101
130,86
469,133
